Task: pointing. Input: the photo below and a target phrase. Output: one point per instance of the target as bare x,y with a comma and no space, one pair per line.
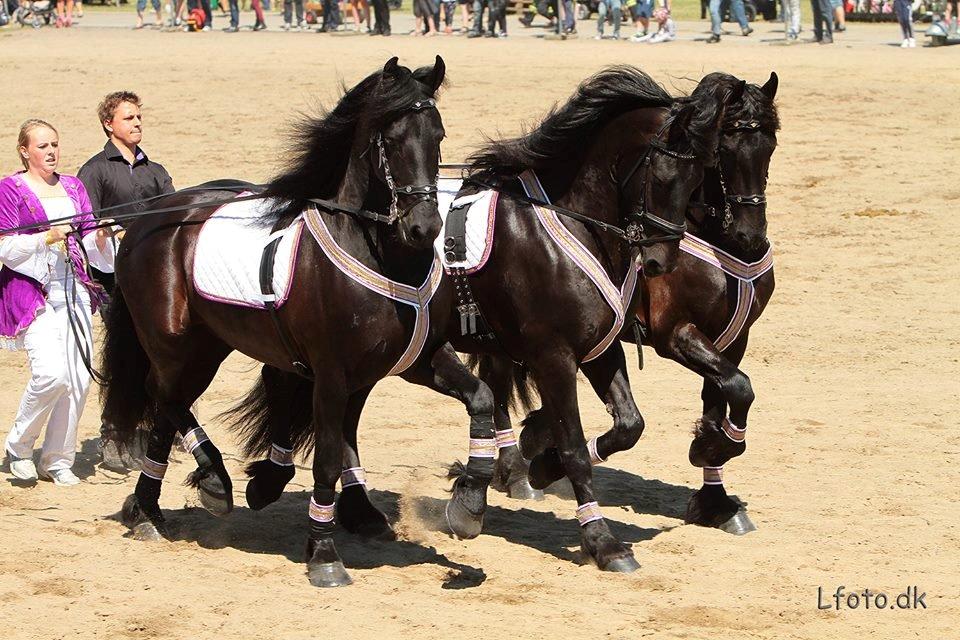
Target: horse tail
126,404
502,374
279,408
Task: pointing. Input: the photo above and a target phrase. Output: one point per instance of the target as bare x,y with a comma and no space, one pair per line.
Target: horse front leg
556,376
357,514
324,566
608,376
717,438
446,374
141,510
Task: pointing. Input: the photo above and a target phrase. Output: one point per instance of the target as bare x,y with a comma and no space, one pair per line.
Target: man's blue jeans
736,8
613,6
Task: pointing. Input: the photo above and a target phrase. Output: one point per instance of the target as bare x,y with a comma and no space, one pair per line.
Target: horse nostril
652,267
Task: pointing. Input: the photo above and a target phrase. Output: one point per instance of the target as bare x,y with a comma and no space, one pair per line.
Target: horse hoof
739,525
214,495
131,514
255,499
146,532
328,574
217,504
626,564
463,524
521,490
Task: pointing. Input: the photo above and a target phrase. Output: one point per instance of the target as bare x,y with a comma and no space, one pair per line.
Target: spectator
424,11
791,19
666,27
331,15
258,8
449,9
613,7
822,21
839,16
64,17
41,270
381,25
288,14
142,6
736,8
641,10
234,17
120,174
478,6
904,11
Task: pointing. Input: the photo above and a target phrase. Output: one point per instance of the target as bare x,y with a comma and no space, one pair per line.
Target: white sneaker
61,477
905,43
23,468
912,43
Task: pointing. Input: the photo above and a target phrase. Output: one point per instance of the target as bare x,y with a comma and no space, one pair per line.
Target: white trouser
791,17
58,385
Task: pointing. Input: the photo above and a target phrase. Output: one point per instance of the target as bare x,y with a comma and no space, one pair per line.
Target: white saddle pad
226,265
480,221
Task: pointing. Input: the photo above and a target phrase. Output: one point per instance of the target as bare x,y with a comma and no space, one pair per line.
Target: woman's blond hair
23,140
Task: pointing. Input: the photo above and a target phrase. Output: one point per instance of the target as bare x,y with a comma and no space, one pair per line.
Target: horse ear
736,93
438,74
391,66
770,88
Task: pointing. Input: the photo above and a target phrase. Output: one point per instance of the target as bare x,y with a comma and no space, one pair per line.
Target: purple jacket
22,297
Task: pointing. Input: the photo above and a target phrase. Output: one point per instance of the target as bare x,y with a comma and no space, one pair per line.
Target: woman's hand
57,234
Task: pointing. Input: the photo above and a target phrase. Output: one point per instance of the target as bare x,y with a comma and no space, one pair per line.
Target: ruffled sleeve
28,255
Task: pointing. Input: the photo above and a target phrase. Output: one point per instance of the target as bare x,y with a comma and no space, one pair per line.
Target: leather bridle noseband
427,193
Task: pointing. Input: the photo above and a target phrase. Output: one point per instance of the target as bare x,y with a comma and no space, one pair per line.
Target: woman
904,11
47,300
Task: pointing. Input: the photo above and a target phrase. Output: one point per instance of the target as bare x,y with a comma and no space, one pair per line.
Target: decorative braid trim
321,512
713,475
281,456
193,439
353,476
505,438
483,447
152,469
595,458
734,432
589,512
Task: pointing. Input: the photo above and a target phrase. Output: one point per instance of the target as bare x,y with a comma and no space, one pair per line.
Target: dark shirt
111,180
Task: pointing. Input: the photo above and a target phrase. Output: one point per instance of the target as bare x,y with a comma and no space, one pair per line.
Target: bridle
749,200
425,193
635,231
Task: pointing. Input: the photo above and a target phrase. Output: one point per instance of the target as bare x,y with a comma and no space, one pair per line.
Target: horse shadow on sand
280,528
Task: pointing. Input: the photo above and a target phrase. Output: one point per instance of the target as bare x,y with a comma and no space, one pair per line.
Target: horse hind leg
511,468
279,403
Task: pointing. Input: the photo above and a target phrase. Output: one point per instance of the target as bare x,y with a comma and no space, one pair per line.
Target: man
120,174
739,14
381,12
822,21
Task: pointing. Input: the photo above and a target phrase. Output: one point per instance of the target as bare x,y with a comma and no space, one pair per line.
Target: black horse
700,314
364,179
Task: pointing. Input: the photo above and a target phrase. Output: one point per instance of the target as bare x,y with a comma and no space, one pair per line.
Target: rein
633,233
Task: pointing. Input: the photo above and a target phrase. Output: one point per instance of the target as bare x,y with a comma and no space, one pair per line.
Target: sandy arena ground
851,461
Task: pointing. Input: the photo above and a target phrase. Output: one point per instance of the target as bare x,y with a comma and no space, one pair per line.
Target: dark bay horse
626,153
371,165
700,314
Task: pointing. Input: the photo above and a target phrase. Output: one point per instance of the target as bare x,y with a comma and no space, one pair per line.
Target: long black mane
567,131
754,105
321,152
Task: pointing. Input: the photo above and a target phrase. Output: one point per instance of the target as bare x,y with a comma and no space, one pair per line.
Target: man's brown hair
108,106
